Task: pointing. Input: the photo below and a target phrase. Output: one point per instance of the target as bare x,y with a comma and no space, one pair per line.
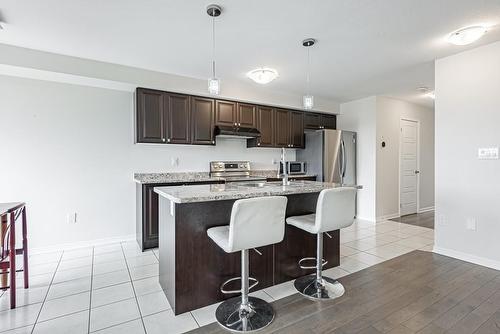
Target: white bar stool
335,210
255,222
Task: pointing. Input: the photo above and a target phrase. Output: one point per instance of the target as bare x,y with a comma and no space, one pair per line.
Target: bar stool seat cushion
220,235
305,222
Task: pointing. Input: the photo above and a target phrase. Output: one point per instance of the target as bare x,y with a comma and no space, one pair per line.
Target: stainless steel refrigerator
331,154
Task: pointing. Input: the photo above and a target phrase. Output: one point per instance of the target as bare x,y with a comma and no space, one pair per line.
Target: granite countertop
152,178
229,191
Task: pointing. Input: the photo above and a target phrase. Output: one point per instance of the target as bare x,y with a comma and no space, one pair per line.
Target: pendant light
308,99
213,83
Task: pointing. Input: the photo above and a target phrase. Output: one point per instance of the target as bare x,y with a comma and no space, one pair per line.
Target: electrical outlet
471,224
441,220
71,218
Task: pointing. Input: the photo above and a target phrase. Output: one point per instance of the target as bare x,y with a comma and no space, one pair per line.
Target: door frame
401,119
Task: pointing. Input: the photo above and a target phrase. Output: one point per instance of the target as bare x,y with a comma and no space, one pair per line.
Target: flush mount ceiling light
308,99
467,35
263,75
213,83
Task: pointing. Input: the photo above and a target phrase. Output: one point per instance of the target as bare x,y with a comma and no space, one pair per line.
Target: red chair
9,213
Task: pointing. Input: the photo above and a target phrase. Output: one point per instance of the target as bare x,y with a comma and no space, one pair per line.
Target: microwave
294,167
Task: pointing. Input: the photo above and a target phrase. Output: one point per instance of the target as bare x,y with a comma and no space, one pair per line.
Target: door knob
417,172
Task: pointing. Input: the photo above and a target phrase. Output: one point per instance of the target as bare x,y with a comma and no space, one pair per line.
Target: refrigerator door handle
344,160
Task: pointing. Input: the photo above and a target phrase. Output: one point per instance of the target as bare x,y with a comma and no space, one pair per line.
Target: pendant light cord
213,46
308,69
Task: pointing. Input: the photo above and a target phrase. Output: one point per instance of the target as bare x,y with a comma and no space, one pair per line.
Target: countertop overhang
232,191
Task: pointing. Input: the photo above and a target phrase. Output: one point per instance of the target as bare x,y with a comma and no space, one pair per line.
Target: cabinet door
282,128
202,121
297,129
150,217
265,124
178,111
151,122
312,121
329,121
225,113
247,115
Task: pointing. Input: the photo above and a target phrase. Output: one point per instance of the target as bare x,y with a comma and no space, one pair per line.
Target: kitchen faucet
285,169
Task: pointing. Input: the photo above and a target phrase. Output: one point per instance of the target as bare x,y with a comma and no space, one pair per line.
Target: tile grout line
91,292
133,289
47,293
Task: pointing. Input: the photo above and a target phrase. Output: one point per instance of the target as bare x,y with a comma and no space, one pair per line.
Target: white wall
360,116
389,113
376,119
468,117
74,152
60,68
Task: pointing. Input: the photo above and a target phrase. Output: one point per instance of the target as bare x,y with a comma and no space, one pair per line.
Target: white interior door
409,168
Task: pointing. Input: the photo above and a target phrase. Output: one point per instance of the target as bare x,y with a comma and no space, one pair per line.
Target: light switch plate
487,153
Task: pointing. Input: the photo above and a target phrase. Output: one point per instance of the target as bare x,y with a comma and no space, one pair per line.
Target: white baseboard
427,209
81,244
387,217
482,261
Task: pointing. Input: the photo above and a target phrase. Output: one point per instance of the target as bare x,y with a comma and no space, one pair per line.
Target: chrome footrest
237,279
301,261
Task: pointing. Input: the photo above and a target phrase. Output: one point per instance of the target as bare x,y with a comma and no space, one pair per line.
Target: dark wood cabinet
265,125
151,122
282,128
202,121
312,121
171,118
328,121
247,115
178,111
296,129
225,113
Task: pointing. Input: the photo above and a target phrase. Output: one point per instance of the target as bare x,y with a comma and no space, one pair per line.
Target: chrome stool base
327,288
257,315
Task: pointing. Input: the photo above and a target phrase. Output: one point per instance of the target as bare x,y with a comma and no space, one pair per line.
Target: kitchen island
193,267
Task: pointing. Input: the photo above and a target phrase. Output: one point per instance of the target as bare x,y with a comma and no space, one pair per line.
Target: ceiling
365,47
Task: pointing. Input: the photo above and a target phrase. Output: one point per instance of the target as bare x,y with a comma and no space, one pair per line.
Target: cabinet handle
163,139
239,124
258,144
168,140
235,124
213,141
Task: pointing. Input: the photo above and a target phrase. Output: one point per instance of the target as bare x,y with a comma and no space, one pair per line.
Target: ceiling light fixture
467,35
308,99
263,75
213,83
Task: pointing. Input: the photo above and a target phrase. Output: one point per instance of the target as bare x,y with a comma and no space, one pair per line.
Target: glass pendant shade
308,102
214,86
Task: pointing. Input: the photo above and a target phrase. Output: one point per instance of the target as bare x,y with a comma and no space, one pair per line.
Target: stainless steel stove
233,171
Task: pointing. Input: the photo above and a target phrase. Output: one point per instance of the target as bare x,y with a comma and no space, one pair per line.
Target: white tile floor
114,288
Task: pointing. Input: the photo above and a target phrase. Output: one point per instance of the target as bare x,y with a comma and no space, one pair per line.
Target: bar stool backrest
335,209
257,222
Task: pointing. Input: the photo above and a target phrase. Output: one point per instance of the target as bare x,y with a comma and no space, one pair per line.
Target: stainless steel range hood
236,132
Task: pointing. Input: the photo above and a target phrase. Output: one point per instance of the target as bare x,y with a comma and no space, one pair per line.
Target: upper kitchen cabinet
282,128
316,121
225,113
151,116
312,121
328,121
202,121
297,129
265,125
178,111
246,115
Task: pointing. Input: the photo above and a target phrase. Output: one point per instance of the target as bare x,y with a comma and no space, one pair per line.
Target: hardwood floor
419,292
425,219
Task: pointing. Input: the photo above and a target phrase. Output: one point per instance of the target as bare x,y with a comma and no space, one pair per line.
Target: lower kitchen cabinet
147,212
